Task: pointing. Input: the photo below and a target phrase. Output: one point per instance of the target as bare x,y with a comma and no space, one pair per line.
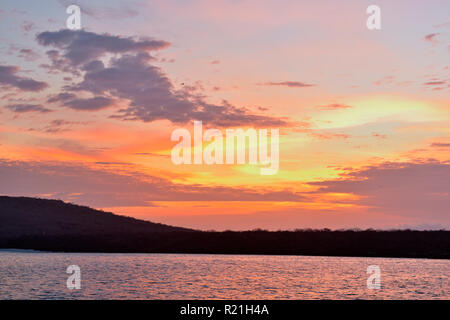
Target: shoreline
15,250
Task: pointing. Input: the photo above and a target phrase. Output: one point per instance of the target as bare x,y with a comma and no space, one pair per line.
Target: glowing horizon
86,116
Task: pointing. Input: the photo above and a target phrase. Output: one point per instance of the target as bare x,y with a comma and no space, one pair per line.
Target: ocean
43,275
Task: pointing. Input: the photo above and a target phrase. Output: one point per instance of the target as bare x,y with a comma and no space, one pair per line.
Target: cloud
385,80
58,64
440,145
412,189
129,75
58,125
23,108
432,38
378,135
391,80
9,77
100,187
434,83
28,54
90,104
151,154
79,47
328,135
334,106
82,104
27,26
290,84
442,25
63,96
412,193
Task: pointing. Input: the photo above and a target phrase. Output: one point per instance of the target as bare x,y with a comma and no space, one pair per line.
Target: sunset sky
364,115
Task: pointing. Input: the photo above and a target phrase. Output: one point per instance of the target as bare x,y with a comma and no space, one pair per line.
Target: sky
86,115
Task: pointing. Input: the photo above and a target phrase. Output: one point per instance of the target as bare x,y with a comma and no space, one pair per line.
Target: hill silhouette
53,225
22,216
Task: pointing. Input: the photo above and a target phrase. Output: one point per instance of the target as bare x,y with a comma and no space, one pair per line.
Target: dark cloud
290,84
58,63
63,96
130,75
87,104
23,108
99,187
9,77
79,47
419,189
440,145
434,83
90,104
94,66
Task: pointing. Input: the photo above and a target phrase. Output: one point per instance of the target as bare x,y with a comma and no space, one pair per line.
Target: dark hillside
21,216
52,225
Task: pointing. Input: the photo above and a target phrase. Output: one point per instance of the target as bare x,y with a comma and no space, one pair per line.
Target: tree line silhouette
52,225
368,243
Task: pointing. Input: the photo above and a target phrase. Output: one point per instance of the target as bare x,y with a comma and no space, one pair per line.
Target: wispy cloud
290,84
440,145
334,106
23,108
28,54
9,77
432,38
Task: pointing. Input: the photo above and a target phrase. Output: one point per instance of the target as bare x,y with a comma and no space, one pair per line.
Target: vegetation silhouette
52,225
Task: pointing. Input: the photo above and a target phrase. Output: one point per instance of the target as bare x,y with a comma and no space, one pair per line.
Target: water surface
39,275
